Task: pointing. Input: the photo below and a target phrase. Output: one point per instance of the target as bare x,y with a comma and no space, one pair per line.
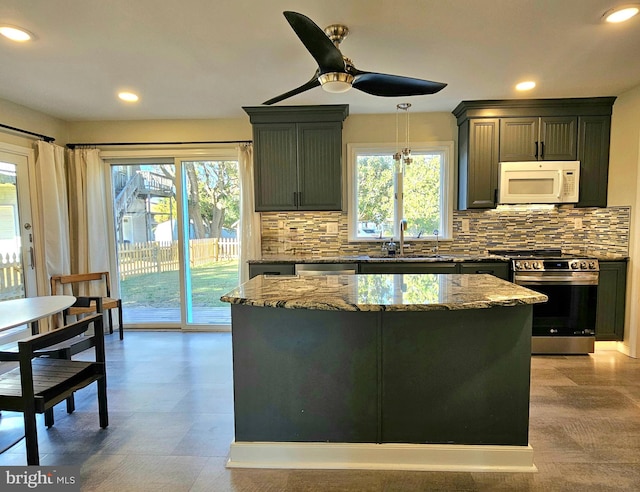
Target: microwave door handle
560,184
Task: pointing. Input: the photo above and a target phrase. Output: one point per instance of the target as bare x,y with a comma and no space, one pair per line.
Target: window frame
447,189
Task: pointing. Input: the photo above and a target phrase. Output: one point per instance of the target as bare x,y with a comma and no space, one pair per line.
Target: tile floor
171,404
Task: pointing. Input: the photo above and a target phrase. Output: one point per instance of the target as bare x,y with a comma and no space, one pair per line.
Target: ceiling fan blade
380,84
304,87
327,56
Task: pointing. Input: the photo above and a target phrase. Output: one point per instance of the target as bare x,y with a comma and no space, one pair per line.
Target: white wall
27,119
624,189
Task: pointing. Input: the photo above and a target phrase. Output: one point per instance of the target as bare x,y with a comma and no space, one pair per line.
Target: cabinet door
319,166
558,137
611,300
497,269
478,177
408,267
271,269
519,139
275,166
593,154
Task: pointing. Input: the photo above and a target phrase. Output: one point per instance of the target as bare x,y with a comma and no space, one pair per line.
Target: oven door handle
557,280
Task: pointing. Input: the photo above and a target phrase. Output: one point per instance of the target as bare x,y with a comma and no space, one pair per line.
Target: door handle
33,258
536,155
295,199
541,150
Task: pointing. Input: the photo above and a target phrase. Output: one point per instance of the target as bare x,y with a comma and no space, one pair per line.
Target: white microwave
539,182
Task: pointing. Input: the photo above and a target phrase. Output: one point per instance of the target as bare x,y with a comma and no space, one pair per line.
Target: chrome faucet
435,233
403,227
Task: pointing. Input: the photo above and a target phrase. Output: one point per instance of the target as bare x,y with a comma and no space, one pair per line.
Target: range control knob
525,265
583,265
573,265
592,265
537,265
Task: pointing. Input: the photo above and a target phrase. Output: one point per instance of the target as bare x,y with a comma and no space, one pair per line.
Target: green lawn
157,290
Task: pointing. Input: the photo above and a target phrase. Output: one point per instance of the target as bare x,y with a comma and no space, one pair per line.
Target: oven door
566,323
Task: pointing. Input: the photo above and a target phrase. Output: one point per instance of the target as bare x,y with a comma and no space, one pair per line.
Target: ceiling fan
337,73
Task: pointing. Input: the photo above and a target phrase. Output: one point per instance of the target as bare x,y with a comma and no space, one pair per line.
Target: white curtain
250,246
51,186
88,212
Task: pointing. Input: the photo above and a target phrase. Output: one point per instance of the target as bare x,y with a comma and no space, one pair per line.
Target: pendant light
402,157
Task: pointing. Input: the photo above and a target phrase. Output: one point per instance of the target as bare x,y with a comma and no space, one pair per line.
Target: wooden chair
89,304
39,383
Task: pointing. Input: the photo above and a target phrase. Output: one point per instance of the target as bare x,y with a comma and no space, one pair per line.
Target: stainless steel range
566,323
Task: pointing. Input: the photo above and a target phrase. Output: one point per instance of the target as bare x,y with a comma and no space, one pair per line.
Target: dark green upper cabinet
478,163
551,138
593,154
298,157
527,130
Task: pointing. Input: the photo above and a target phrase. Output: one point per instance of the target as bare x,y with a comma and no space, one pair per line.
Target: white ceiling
207,58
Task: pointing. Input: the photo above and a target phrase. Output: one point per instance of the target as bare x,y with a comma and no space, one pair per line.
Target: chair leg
102,402
110,322
120,325
31,437
48,417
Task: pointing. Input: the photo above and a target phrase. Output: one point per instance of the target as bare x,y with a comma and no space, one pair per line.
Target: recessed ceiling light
525,86
15,33
621,14
128,96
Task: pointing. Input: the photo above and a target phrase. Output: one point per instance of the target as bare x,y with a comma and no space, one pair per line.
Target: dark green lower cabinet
408,267
611,300
497,269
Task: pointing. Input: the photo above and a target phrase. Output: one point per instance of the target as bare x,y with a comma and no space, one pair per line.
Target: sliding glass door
177,248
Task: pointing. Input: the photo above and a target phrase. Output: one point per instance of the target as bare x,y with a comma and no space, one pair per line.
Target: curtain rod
27,132
104,144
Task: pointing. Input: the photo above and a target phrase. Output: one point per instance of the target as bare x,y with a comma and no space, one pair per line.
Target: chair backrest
28,346
58,281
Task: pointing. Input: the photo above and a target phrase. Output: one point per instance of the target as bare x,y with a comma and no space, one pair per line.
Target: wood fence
162,256
11,286
133,259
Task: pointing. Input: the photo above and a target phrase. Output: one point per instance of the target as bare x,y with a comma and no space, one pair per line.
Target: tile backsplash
574,230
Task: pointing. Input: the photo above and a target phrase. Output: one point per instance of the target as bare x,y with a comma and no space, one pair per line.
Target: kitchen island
412,371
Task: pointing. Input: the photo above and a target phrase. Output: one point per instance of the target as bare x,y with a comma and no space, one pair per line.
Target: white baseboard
426,457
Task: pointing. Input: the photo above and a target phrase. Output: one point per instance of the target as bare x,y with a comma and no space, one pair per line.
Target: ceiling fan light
336,81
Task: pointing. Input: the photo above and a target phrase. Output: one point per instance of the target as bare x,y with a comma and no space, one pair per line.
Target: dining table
29,310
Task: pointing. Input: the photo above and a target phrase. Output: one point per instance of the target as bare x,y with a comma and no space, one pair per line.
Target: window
380,197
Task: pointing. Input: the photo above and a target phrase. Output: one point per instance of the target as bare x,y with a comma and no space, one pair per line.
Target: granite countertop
449,257
382,292
452,257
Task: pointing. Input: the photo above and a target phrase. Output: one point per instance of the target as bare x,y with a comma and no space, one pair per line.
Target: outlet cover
332,228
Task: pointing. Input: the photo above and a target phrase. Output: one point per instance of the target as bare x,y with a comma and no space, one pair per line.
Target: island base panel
456,376
304,375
